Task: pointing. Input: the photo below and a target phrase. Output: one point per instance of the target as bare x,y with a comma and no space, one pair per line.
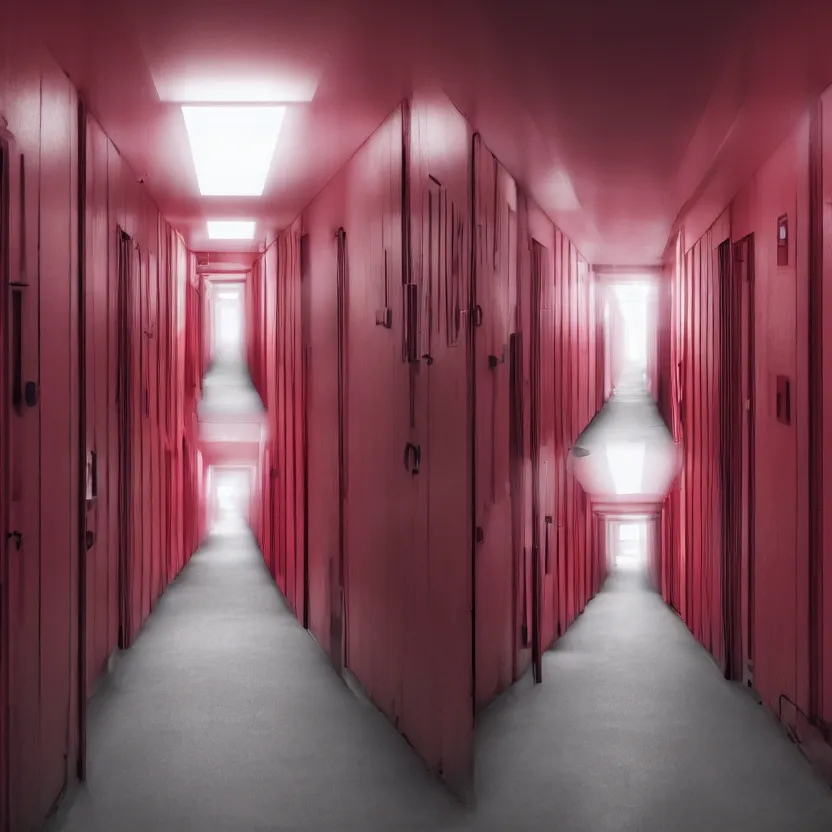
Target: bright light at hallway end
231,229
634,298
229,495
630,543
232,147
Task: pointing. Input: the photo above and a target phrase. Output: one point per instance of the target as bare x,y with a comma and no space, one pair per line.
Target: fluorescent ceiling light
239,90
231,229
232,147
228,295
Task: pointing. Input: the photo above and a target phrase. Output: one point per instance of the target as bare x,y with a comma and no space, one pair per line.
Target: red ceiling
614,115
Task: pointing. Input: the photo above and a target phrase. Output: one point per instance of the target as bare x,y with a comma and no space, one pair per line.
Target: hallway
437,305
228,394
225,715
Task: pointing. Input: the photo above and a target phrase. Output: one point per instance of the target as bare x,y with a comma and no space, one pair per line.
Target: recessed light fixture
231,229
232,147
236,88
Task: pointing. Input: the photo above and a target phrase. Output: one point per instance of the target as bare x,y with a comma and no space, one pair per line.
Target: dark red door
744,280
338,626
537,407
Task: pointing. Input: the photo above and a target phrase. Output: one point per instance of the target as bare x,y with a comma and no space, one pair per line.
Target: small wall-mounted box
783,240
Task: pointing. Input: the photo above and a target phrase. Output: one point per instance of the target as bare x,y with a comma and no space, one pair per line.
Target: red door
494,282
338,601
20,647
744,279
540,529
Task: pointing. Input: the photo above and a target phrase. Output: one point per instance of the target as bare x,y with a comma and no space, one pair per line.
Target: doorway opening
227,322
736,277
632,331
630,551
229,497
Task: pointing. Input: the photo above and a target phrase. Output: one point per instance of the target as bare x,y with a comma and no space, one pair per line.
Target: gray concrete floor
227,391
225,715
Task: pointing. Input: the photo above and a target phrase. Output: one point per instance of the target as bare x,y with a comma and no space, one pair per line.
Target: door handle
548,522
414,452
17,537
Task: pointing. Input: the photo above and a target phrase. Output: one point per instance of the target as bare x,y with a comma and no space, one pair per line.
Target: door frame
125,433
306,365
5,640
338,596
817,602
742,276
85,453
536,250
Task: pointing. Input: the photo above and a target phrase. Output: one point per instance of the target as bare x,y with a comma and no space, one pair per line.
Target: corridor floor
225,715
227,391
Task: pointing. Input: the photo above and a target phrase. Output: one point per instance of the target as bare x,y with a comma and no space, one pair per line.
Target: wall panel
824,566
59,409
275,353
692,558
495,291
321,221
391,327
438,159
82,476
694,513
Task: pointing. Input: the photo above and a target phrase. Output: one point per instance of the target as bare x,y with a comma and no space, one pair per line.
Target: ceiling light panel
239,89
232,147
231,229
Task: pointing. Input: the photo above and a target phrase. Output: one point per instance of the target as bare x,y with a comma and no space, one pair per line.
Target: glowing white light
232,147
227,296
229,335
231,229
231,492
206,88
632,299
626,461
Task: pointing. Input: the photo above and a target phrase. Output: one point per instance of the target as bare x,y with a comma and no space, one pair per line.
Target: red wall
398,591
276,364
498,398
697,583
791,618
781,463
39,581
159,267
60,600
